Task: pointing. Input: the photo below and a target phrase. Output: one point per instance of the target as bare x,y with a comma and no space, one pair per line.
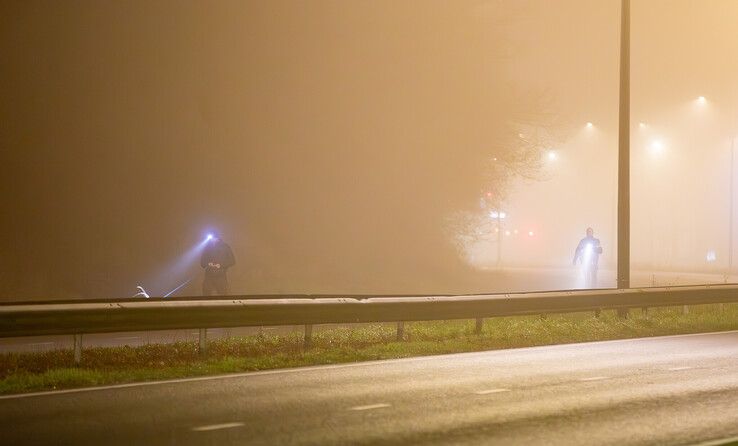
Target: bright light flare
181,267
531,233
711,256
657,147
552,155
701,100
589,125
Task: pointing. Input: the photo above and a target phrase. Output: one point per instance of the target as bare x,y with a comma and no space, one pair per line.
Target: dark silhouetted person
588,252
216,259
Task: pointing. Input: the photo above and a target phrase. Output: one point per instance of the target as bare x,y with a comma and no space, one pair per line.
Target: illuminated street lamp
656,147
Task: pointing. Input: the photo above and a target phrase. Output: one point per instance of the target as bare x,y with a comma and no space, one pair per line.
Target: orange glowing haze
359,147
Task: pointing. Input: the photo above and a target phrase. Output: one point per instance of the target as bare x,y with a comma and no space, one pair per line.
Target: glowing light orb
657,147
711,256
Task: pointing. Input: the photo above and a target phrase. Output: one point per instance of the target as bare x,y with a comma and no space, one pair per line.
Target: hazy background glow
331,142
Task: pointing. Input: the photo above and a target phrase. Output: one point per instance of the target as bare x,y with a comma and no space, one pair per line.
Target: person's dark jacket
217,252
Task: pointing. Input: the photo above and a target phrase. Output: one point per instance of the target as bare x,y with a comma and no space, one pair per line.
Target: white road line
123,338
370,406
719,442
676,369
594,378
42,343
215,427
488,391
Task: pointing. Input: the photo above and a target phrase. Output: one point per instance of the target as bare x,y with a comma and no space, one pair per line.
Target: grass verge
26,372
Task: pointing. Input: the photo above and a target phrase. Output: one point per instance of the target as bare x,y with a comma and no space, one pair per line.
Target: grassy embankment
26,372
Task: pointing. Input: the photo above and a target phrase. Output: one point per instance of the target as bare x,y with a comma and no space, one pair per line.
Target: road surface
668,390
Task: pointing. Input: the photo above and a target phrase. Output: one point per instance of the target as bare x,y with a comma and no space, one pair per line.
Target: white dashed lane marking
41,343
676,369
215,427
594,378
370,406
488,391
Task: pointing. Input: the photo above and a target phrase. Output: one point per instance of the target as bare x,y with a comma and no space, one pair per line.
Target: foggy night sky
328,140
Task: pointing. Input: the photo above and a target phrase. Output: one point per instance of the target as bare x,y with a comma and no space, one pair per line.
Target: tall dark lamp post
623,273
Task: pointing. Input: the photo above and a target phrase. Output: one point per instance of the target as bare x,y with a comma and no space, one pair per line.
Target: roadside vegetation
26,372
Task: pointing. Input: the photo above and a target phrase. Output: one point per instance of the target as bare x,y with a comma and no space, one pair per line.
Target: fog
356,147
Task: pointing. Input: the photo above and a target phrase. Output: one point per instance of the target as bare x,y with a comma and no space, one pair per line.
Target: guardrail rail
83,317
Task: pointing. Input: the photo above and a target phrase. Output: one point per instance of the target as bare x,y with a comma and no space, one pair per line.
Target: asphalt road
506,280
669,390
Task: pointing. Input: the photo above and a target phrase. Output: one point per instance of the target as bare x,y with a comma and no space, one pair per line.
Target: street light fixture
657,147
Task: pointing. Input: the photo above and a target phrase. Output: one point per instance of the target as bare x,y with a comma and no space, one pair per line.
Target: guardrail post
478,326
400,330
202,344
77,348
308,336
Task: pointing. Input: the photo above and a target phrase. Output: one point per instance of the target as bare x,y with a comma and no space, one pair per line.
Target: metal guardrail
31,319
